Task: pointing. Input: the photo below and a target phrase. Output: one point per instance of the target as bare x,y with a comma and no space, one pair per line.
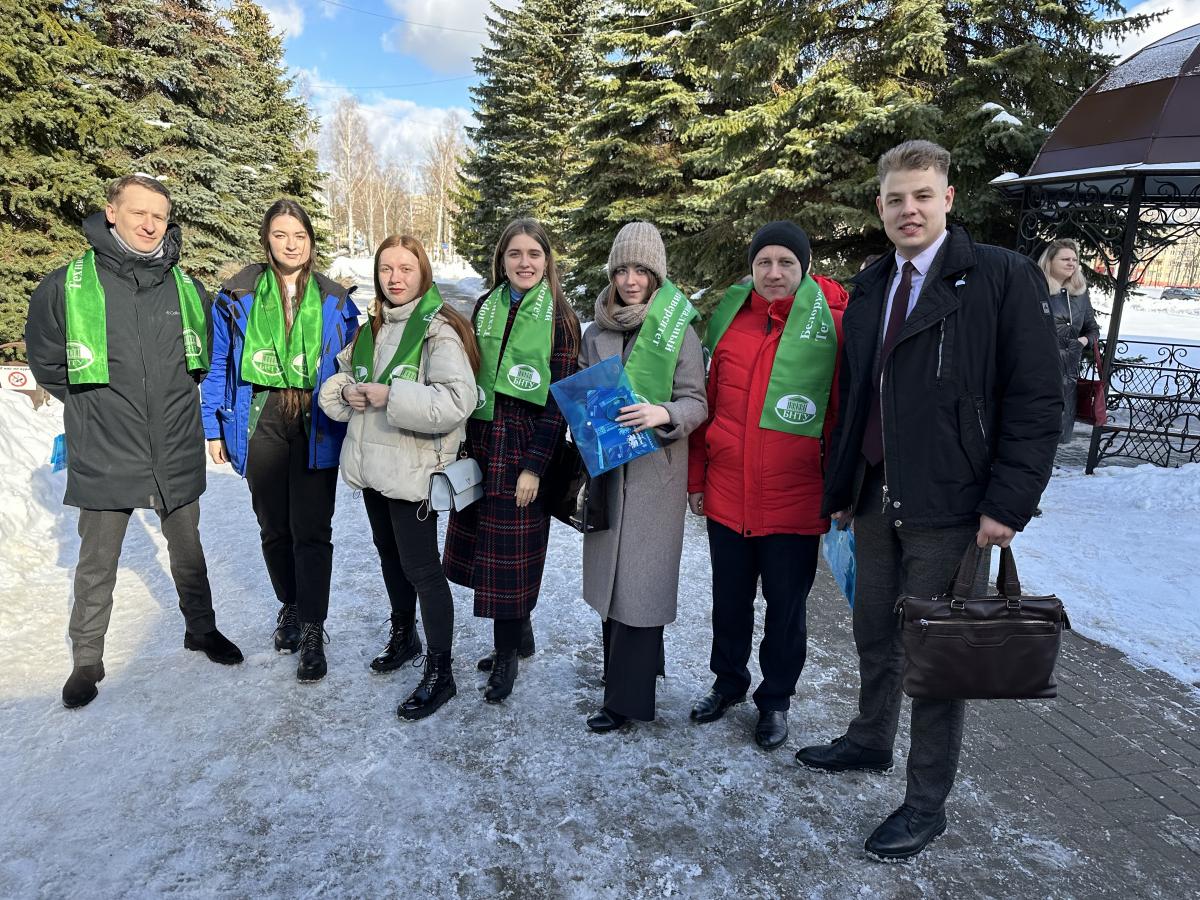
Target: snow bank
1148,317
1121,548
32,495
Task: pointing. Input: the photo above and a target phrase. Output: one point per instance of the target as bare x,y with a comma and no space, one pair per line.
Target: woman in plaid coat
497,546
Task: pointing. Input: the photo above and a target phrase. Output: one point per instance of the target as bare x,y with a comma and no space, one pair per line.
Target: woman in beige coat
631,570
406,386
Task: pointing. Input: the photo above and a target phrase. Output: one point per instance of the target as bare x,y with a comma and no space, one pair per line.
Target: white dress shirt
921,264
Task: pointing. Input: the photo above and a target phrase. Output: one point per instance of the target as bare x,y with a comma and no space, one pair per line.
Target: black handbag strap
1008,584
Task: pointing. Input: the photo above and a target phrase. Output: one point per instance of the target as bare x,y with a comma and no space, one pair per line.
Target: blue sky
388,65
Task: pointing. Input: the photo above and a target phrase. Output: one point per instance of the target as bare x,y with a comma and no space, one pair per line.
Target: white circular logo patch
796,409
79,356
482,401
405,372
191,342
267,362
524,378
300,364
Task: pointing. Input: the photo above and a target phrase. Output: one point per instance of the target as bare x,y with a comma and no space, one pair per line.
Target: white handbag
456,486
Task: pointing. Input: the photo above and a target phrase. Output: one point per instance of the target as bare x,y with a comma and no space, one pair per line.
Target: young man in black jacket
120,336
949,418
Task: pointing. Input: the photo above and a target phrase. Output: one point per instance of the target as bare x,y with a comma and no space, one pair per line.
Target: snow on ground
189,778
1121,548
1147,317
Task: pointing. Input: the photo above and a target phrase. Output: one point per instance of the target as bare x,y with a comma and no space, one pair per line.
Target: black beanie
782,234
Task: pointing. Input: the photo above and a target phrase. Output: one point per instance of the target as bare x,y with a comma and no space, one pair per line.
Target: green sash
406,361
523,370
87,323
802,374
269,343
655,353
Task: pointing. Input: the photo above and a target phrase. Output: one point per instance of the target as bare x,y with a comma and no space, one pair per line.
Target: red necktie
872,446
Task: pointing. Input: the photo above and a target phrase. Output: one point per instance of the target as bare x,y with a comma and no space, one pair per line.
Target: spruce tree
186,84
640,100
820,91
62,136
527,105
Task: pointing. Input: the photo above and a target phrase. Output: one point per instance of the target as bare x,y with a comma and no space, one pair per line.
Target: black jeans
786,565
412,566
294,506
894,560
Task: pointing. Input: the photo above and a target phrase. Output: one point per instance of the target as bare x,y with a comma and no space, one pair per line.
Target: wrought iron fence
1153,399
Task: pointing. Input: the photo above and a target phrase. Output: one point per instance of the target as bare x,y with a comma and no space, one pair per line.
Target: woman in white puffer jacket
406,386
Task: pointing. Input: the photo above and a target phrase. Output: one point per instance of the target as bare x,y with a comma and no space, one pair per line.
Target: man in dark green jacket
121,336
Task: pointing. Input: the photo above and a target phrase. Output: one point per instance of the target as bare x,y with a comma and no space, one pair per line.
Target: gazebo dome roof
1143,115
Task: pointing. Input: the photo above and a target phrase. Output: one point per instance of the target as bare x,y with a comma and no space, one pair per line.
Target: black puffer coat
1073,318
137,441
972,391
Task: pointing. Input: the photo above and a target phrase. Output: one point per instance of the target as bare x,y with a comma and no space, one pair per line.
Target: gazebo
1121,172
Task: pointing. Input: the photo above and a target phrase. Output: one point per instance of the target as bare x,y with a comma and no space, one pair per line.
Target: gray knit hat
639,244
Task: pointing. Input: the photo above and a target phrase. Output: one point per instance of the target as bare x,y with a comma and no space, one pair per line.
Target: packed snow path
194,779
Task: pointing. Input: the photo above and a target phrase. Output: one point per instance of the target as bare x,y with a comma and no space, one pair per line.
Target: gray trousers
101,534
893,560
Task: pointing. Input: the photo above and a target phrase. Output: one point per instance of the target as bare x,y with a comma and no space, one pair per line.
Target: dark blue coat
226,396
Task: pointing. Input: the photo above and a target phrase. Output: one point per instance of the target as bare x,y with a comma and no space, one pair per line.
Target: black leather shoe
80,689
312,665
843,755
436,687
287,629
504,675
905,833
215,646
525,651
605,720
402,645
772,728
712,706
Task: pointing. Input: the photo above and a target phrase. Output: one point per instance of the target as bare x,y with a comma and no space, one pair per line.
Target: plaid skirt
498,550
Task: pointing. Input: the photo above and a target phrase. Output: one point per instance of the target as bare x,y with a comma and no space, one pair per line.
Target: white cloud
398,129
441,50
1182,14
286,16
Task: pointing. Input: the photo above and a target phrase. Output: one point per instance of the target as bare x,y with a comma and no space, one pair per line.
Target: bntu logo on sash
267,362
796,409
79,356
524,377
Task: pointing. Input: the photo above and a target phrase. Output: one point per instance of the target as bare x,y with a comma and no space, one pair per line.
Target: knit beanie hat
782,234
639,244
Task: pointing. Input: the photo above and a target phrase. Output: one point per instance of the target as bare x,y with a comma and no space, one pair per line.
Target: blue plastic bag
58,455
590,401
838,549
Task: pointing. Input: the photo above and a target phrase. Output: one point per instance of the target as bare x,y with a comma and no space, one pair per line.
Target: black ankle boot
504,675
312,653
436,687
526,650
402,645
80,689
287,629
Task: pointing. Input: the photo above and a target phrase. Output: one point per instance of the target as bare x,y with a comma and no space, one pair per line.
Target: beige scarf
618,316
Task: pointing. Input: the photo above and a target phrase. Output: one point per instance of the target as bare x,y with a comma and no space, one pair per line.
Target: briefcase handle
1008,583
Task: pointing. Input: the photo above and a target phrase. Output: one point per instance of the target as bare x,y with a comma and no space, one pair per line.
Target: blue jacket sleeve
213,388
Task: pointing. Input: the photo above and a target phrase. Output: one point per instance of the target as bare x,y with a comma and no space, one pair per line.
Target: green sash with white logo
272,356
802,373
87,323
406,361
523,369
655,353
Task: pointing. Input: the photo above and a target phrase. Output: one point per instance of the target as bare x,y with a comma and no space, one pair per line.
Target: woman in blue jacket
278,327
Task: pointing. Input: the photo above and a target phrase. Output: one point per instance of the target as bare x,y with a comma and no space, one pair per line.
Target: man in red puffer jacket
756,468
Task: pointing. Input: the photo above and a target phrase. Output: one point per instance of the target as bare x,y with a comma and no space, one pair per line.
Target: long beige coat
396,448
631,571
